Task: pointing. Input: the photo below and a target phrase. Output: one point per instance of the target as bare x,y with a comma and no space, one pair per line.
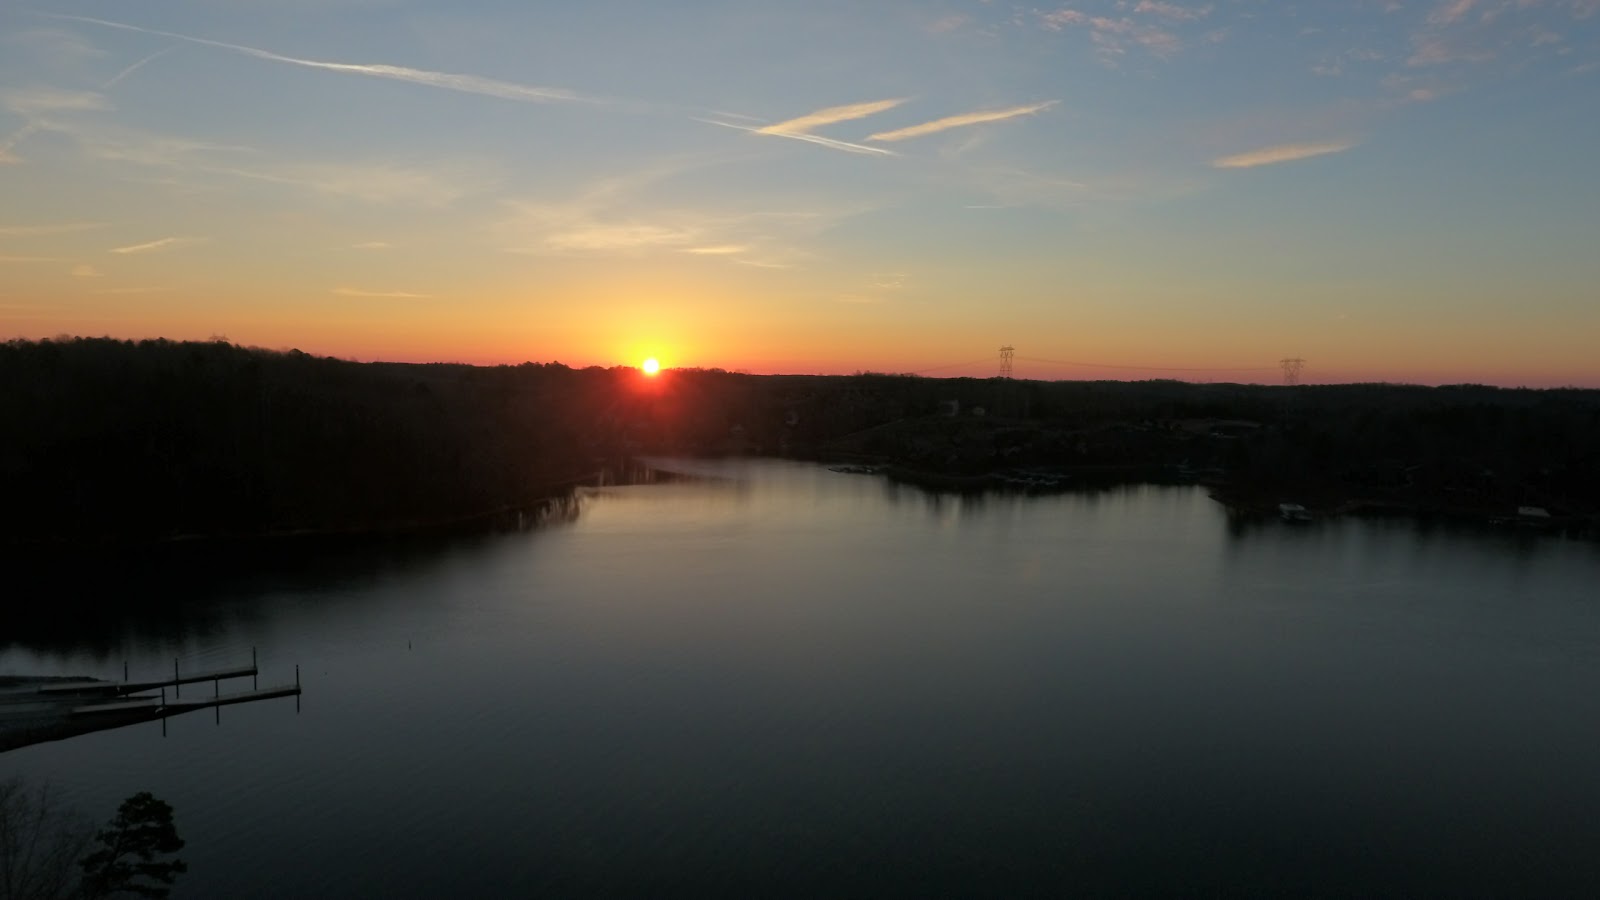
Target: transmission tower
1291,369
1007,354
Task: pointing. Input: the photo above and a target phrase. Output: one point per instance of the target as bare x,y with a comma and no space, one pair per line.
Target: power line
1065,362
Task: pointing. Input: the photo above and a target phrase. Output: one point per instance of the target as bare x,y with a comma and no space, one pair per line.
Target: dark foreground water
781,680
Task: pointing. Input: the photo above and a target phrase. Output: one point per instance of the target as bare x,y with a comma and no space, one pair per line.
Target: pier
35,710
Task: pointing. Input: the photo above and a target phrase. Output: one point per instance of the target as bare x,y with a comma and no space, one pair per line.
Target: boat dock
134,687
34,710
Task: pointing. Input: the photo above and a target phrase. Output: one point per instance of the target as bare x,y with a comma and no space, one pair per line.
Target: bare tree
41,843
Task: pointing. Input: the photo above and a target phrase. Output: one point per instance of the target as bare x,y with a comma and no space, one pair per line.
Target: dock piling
177,688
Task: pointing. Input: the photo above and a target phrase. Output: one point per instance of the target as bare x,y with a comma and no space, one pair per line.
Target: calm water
777,679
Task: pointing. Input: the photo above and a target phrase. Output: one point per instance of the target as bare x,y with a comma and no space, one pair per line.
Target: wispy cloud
33,100
1111,36
607,217
1450,12
63,48
717,250
371,245
1173,11
133,290
165,243
470,84
59,228
85,271
1281,153
375,182
811,121
626,236
388,295
959,121
808,138
945,24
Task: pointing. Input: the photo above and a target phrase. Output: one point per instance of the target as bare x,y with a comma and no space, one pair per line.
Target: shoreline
1321,500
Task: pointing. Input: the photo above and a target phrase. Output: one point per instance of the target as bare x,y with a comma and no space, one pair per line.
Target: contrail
469,84
948,122
117,78
832,114
809,138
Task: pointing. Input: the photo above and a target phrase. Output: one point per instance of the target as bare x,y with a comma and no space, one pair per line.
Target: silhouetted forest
122,441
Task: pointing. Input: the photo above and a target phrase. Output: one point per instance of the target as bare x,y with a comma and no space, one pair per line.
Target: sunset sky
1399,190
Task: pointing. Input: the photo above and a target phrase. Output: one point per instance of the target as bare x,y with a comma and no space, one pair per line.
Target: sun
650,366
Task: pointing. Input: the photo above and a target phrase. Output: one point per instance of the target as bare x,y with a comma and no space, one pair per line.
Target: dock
34,710
134,687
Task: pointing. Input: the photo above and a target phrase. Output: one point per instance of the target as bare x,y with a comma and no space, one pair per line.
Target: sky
1393,190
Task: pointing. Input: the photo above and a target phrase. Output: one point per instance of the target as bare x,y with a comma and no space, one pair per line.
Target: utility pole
1007,353
1291,370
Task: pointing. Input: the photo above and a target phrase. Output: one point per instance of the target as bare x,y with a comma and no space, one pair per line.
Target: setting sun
650,366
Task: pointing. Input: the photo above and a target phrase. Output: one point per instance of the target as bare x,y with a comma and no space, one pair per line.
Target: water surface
773,679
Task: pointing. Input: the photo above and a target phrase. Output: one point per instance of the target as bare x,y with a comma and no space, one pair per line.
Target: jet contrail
470,84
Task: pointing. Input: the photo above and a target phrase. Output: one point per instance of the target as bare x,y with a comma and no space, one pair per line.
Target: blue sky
1397,190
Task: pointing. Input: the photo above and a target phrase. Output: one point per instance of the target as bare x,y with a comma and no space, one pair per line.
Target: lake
767,678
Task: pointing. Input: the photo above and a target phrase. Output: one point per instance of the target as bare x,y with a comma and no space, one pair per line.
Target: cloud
469,84
1450,11
1111,37
808,138
63,49
32,100
133,290
806,123
621,237
165,243
960,121
61,228
375,182
609,216
1281,153
371,245
85,271
389,295
1172,11
1061,18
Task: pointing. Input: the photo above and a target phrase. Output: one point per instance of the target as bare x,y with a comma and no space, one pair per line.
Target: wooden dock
172,707
134,687
37,710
